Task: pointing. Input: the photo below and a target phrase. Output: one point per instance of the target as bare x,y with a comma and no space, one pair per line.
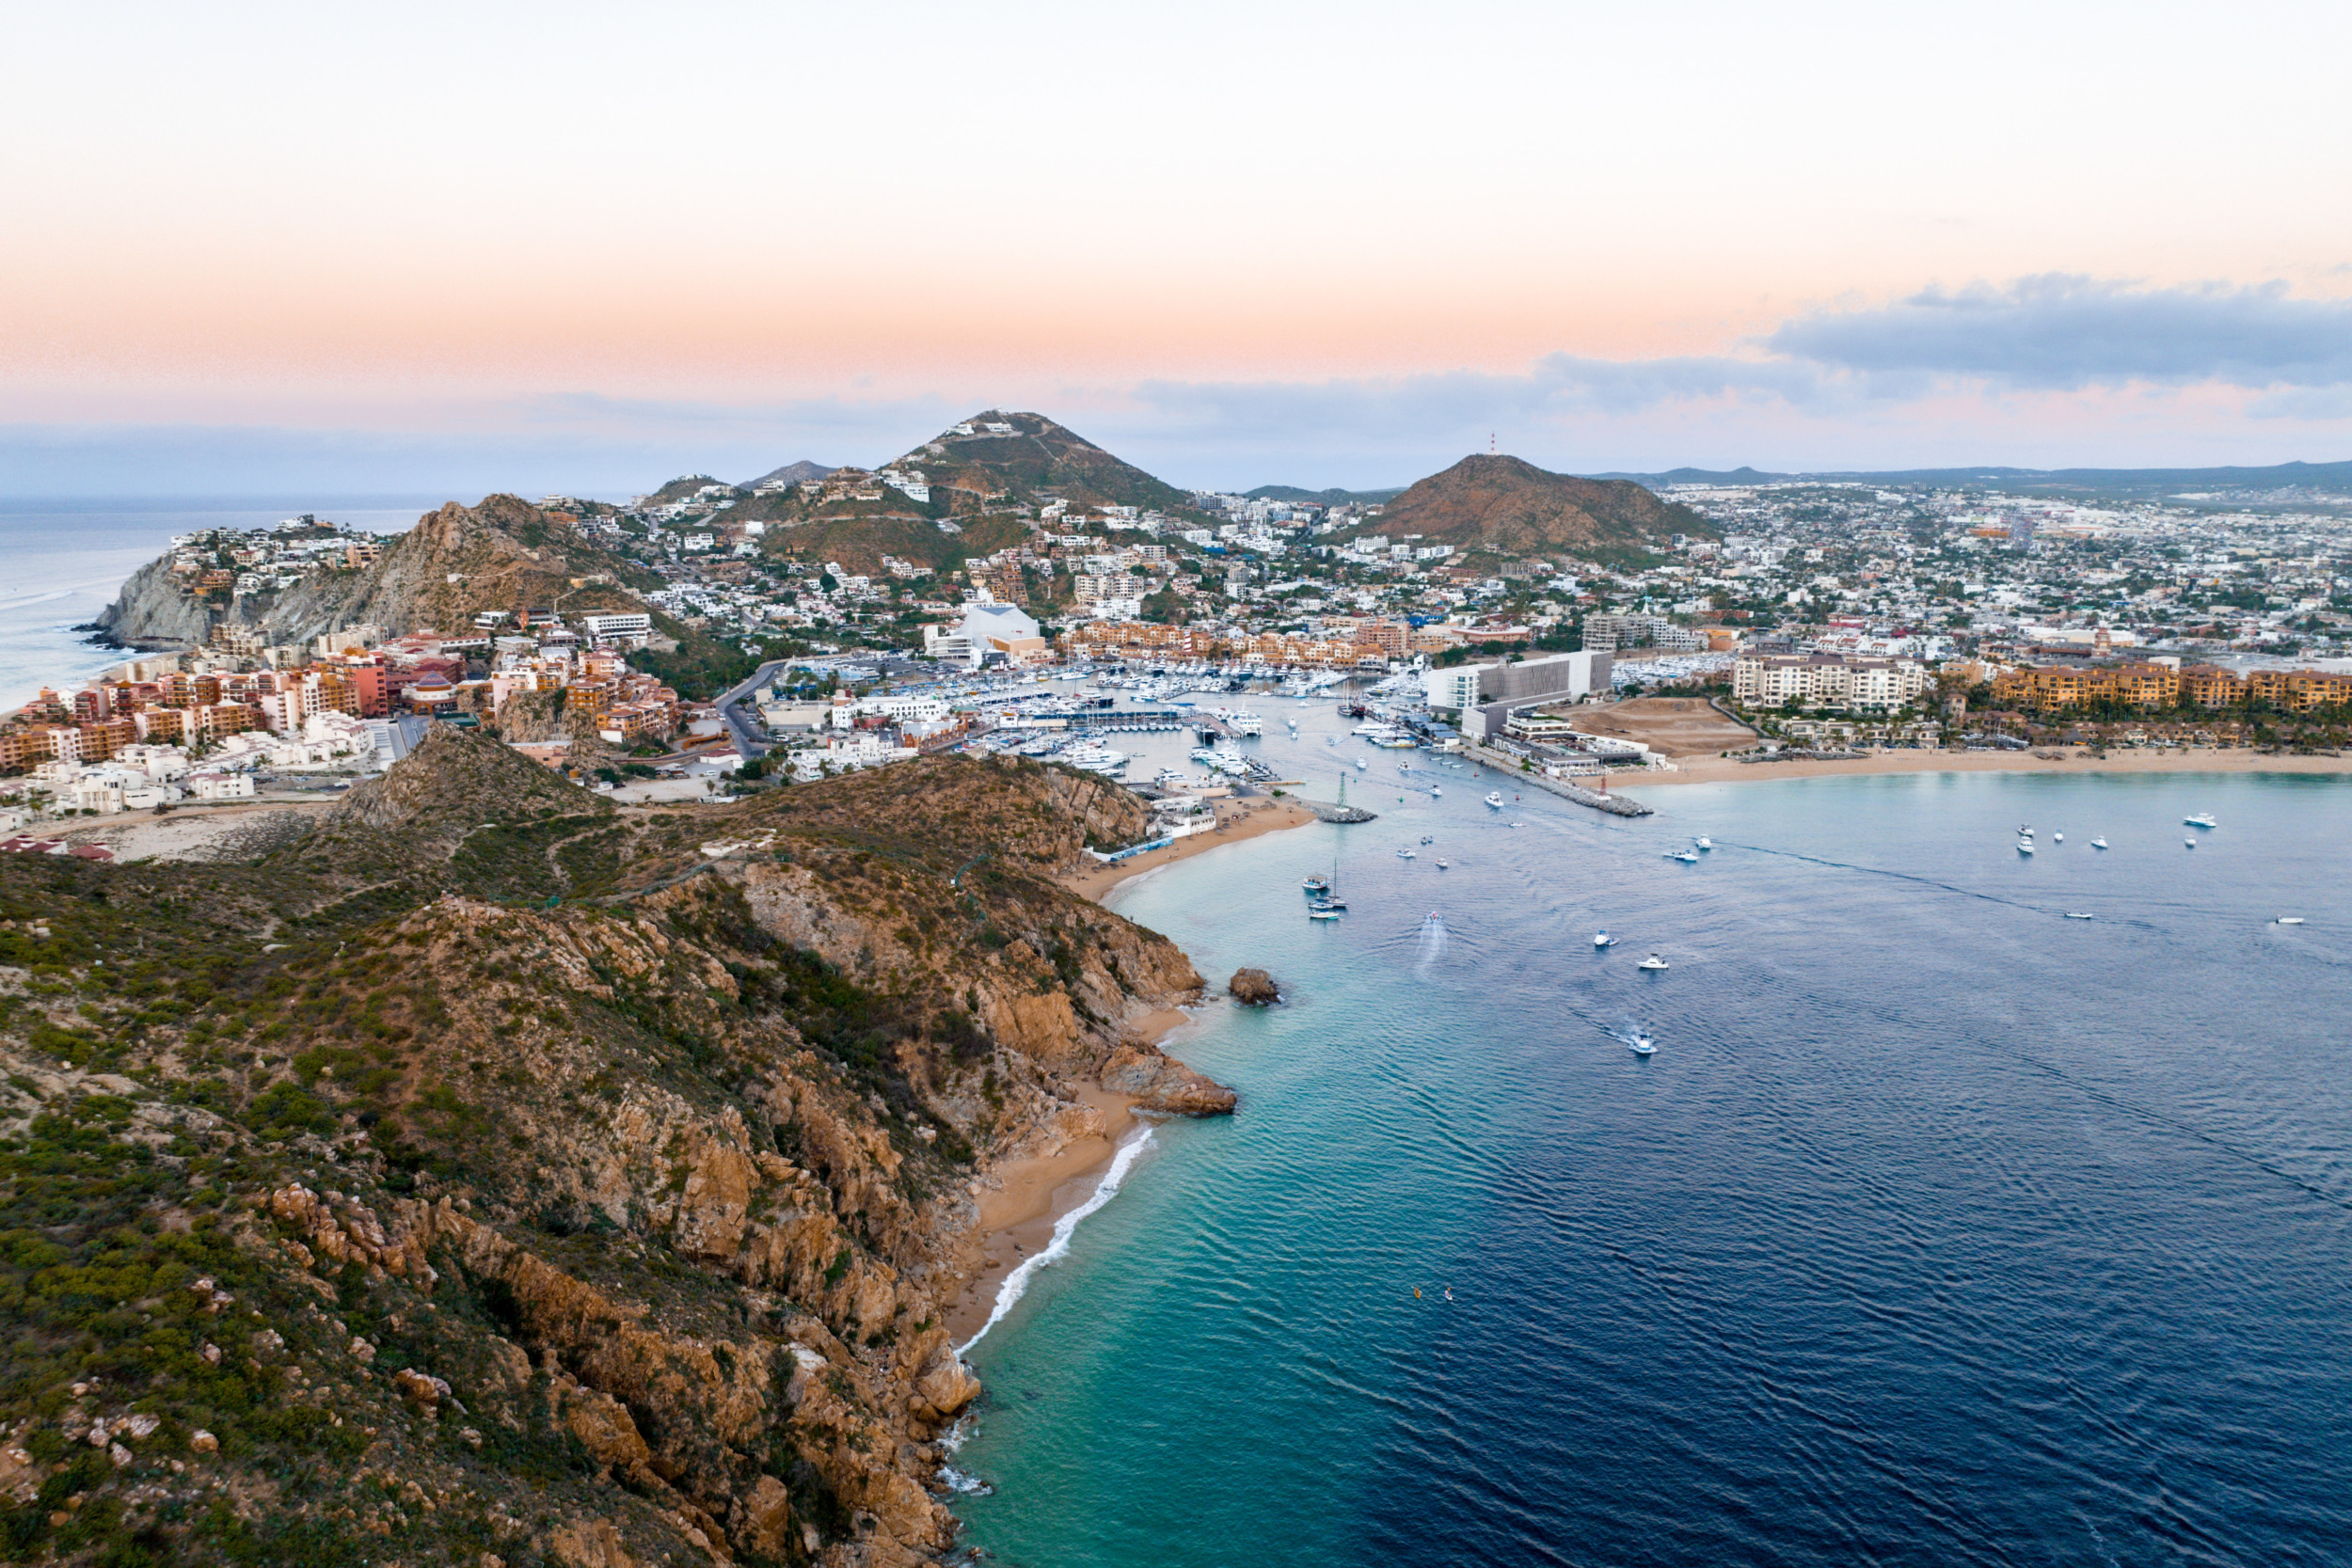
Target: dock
1615,805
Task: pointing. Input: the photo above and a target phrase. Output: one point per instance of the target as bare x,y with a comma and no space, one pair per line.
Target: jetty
1615,805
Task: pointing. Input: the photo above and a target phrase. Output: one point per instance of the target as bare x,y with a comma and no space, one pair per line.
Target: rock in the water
1253,987
1160,1083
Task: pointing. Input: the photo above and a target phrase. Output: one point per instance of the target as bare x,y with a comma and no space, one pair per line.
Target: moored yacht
1602,939
2202,820
1494,799
2099,843
1656,960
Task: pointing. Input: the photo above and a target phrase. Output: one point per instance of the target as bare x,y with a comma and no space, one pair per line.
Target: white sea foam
1017,1282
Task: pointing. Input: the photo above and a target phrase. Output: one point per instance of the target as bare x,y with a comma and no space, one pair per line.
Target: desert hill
792,473
502,554
686,487
1508,505
382,1202
1033,458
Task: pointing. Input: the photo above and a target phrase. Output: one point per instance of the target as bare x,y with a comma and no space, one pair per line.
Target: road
739,724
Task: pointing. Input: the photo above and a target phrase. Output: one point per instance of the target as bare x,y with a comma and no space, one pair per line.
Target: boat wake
1432,941
1016,1284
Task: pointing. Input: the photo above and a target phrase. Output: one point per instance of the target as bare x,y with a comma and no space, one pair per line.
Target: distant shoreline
2151,760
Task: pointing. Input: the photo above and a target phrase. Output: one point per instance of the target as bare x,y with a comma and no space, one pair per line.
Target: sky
252,248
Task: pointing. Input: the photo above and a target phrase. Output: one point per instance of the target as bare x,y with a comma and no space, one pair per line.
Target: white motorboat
2077,915
1362,764
2290,920
1494,799
1435,792
1602,939
1405,855
1688,857
1326,913
2202,820
1703,842
2099,843
1655,961
2025,847
1642,1045
2057,838
2188,842
2023,830
1441,863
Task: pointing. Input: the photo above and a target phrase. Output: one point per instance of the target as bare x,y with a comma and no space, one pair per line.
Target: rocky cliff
504,554
497,1175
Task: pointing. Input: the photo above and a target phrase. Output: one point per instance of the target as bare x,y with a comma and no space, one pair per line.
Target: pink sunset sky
438,246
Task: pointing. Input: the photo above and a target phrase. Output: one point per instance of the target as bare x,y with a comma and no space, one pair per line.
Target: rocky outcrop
1160,1083
155,610
1252,987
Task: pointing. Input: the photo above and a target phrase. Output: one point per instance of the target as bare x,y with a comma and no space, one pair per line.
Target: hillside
502,554
792,473
1036,459
1508,505
686,487
414,1195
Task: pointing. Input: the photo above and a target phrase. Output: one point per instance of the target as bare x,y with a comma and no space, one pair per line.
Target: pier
1615,805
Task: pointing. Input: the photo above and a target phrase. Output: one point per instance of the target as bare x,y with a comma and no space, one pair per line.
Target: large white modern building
1826,680
985,629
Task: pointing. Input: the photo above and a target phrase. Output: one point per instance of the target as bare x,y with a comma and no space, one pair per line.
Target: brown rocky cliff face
617,1231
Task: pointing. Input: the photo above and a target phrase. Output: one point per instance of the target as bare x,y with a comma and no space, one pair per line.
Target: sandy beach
1017,1217
2171,759
1236,821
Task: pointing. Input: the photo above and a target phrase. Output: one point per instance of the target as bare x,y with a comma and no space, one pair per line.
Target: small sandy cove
2153,759
1236,821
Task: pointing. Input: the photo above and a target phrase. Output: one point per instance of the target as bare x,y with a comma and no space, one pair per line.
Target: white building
986,629
1775,680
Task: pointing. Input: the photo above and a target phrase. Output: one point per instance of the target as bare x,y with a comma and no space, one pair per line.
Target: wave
1016,1284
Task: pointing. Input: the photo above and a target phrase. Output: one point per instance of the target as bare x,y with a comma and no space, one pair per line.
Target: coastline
1691,770
1233,825
1031,1194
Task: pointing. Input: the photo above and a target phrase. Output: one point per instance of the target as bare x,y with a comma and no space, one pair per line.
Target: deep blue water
1940,1229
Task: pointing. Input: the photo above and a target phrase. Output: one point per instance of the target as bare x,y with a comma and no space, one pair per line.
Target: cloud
2062,333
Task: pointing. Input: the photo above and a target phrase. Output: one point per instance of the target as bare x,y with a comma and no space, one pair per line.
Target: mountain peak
1496,502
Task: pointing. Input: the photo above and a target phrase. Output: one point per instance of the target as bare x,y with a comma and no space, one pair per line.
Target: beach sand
2168,759
1017,1218
1236,821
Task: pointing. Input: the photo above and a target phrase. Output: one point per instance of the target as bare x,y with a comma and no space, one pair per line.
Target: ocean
66,563
1941,1229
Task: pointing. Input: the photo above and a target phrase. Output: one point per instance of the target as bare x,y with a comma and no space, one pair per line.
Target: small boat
1435,791
2202,820
1426,839
1405,855
1703,842
1688,857
2057,838
2025,847
2099,843
1322,914
2023,832
1655,961
1494,799
2077,915
1362,764
1317,884
1602,939
1642,1045
2290,920
1441,863
2188,842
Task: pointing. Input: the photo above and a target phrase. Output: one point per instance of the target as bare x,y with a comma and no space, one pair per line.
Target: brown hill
1509,506
1034,458
623,1229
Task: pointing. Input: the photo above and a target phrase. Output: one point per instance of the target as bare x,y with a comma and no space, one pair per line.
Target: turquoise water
1941,1229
